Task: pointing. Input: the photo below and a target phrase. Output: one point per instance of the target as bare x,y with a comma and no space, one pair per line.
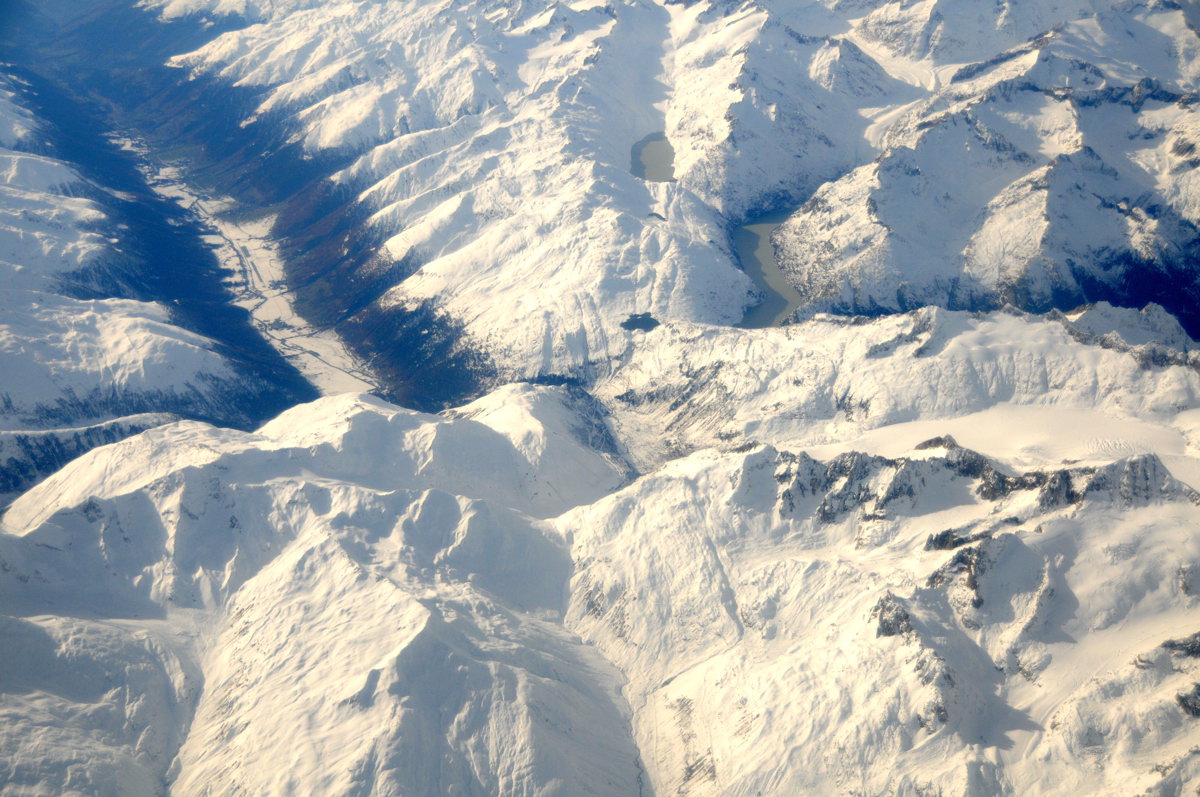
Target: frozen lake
752,242
654,159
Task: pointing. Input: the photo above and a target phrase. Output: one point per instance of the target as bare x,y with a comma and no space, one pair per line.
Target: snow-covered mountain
360,594
81,365
363,599
934,537
1056,172
833,379
938,153
868,625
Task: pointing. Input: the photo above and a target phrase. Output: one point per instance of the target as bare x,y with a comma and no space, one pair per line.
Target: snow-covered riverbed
245,248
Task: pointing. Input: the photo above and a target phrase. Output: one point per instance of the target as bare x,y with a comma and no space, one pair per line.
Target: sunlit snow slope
935,537
962,154
359,599
80,368
355,599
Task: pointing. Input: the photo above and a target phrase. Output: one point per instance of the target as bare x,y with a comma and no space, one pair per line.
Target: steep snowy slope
1058,172
922,625
941,153
496,148
359,599
944,546
918,618
355,599
831,379
83,371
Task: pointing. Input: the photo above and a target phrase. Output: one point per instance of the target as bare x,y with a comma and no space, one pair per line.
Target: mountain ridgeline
387,408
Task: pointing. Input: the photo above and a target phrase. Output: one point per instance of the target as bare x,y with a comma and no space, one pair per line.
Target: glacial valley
599,397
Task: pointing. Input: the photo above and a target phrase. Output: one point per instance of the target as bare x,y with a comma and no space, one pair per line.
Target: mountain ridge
938,541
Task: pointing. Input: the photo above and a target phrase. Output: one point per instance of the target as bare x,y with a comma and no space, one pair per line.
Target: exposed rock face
720,584
381,573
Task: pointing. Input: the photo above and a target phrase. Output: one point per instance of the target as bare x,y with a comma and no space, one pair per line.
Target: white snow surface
934,552
495,144
962,154
1051,171
785,629
831,379
360,590
67,359
355,590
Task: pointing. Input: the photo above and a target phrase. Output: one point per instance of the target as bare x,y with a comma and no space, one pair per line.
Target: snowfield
895,626
1057,172
936,535
112,364
356,590
935,153
256,565
831,379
